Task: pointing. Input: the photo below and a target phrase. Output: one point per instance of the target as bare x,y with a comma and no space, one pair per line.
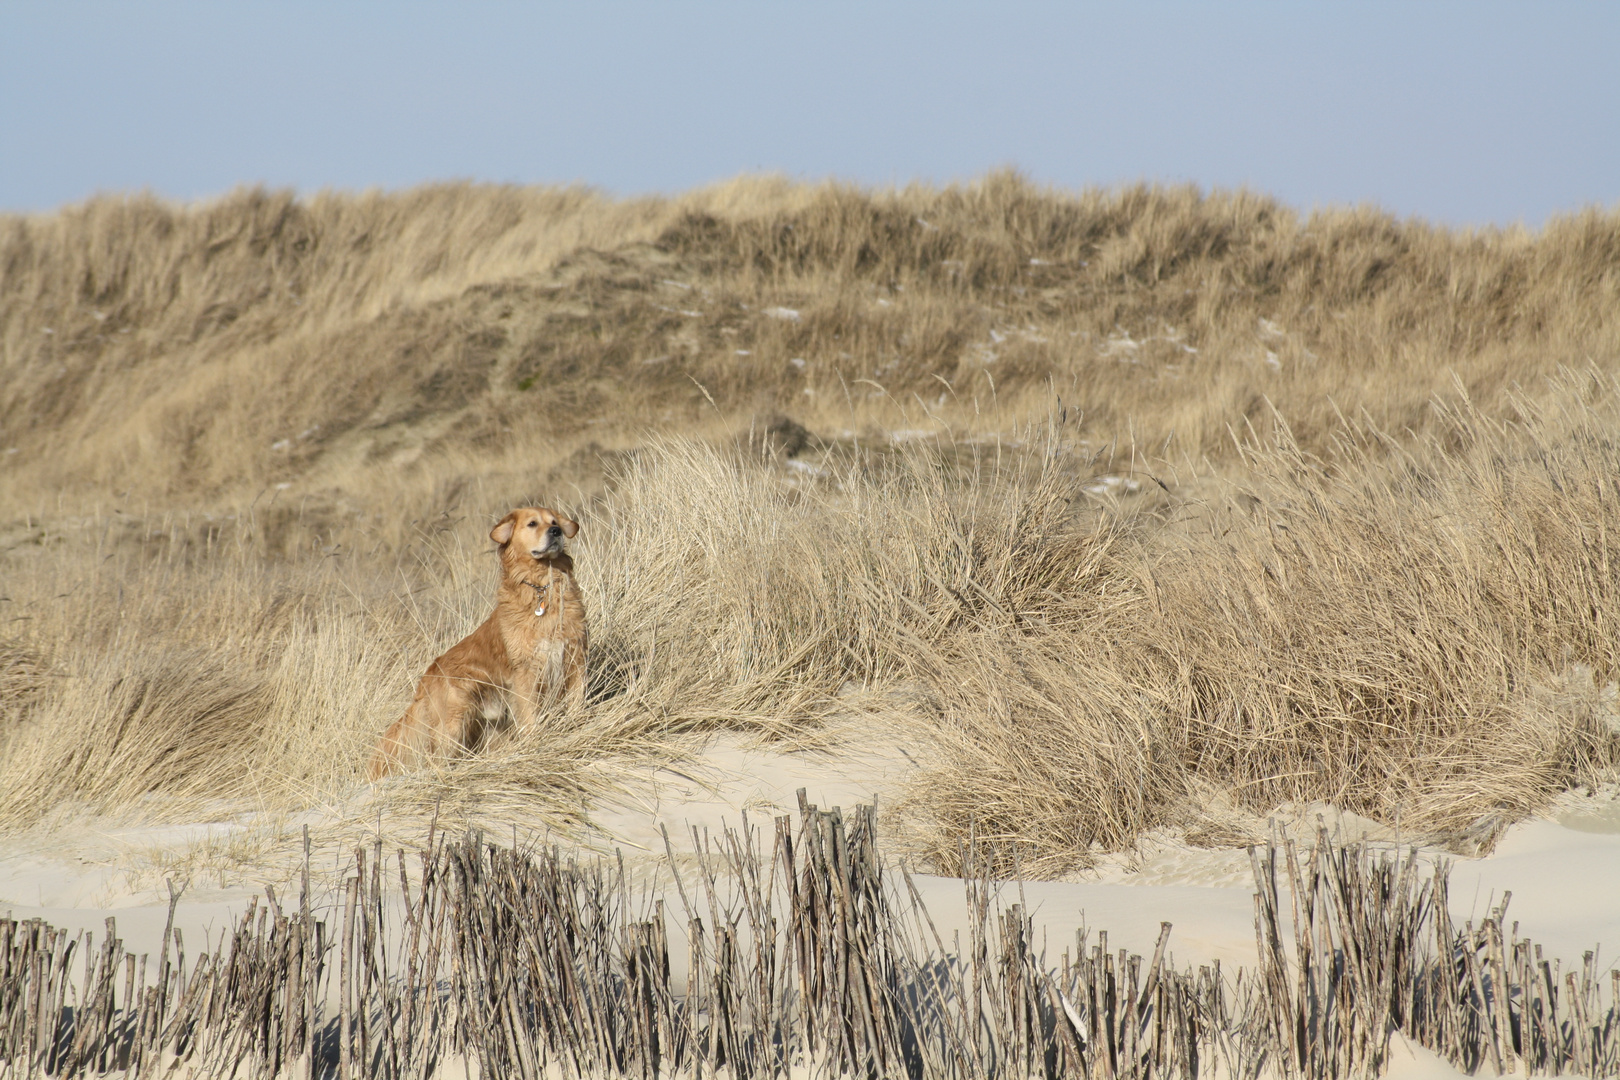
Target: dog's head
532,533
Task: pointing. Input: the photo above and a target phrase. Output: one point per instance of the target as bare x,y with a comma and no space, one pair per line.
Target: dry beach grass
1136,509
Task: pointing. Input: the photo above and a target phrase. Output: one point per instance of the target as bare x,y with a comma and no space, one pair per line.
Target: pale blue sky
1457,112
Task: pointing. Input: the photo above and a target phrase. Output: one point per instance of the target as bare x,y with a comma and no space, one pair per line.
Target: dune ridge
1132,510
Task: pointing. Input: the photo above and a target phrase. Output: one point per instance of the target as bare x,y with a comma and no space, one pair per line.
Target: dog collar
540,592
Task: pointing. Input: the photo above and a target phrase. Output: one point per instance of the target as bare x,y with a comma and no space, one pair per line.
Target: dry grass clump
739,593
1422,635
175,681
22,678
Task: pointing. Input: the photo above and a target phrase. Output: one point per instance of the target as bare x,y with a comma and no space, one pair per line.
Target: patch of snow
1109,485
786,313
1120,346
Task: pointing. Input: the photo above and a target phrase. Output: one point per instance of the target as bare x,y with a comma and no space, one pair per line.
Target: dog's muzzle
552,546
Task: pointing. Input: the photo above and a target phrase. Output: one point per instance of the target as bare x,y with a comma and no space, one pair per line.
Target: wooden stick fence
800,953
1375,951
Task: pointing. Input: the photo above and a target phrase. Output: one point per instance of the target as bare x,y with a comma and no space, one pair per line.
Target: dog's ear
502,532
569,528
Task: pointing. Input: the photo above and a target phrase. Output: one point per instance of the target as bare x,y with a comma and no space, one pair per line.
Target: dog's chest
548,658
534,637
539,622
538,652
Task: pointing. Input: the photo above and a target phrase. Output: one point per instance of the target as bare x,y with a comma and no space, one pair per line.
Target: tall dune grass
1420,634
213,351
1132,509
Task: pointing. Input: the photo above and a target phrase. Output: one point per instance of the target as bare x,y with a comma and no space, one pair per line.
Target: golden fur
530,650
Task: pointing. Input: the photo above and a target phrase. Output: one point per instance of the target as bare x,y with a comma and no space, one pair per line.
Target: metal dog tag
539,611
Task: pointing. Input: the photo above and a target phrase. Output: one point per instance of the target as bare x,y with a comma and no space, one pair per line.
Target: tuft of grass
1423,634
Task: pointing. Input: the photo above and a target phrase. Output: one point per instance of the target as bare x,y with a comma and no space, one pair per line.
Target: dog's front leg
574,674
526,704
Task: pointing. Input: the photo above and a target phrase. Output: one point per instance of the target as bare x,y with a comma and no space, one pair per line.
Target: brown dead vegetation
1145,508
215,350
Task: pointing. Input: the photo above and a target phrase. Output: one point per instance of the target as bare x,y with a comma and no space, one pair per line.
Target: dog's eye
533,524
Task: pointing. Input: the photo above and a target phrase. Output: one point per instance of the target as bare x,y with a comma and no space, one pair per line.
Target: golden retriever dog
527,654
